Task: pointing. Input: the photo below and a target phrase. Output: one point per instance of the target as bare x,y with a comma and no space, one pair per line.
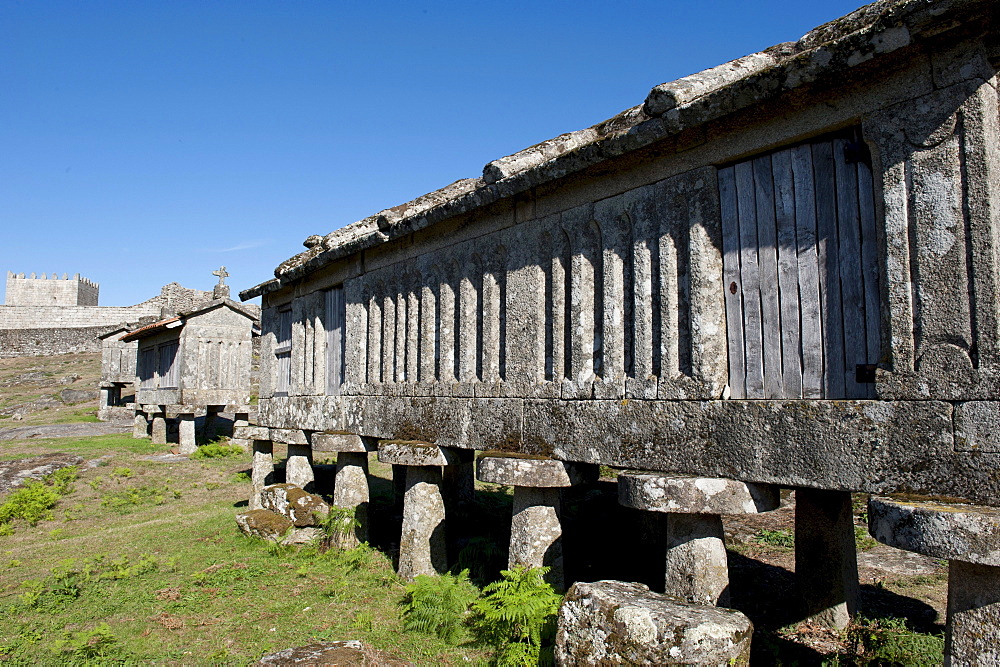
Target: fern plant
439,605
517,616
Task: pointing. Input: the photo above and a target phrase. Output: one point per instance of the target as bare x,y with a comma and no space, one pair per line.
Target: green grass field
143,563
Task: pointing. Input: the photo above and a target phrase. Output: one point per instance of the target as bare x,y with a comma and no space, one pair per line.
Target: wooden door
801,271
336,314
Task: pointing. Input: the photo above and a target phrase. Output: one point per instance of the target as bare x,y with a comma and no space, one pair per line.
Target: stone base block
956,531
663,492
614,623
414,453
514,470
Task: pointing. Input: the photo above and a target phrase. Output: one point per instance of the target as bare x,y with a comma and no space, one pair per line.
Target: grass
86,367
141,561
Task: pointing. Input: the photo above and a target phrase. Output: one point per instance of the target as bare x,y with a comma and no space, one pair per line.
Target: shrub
889,642
34,501
439,605
783,539
215,450
517,616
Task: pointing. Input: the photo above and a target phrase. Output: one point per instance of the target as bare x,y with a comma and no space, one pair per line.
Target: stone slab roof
821,55
179,320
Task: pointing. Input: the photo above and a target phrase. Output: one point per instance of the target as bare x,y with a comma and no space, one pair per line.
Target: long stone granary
779,270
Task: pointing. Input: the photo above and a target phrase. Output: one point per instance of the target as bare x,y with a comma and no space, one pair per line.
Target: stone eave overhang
821,55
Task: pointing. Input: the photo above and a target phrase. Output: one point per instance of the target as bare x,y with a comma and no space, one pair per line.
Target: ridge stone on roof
669,108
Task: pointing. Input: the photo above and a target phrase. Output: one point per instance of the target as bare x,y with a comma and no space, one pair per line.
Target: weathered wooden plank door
336,314
799,255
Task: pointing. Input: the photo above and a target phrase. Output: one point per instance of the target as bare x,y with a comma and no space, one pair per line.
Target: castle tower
50,291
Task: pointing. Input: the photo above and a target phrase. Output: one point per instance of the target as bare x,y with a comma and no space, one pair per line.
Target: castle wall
52,291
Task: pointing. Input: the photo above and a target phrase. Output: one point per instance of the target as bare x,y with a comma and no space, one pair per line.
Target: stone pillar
262,473
105,399
422,546
140,426
298,467
460,482
535,528
208,428
826,560
423,543
185,434
159,429
350,489
969,537
398,488
697,569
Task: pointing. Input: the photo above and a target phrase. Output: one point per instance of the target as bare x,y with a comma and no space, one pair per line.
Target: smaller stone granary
117,374
193,365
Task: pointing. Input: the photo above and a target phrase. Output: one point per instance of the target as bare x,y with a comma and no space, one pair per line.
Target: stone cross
221,291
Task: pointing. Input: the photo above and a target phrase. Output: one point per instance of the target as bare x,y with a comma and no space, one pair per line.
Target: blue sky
148,142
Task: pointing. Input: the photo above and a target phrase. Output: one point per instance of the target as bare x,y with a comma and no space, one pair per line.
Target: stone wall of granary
45,342
573,301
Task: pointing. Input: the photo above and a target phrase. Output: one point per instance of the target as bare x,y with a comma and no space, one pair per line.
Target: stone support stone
351,490
106,398
969,537
826,561
186,434
535,529
209,426
298,467
422,546
460,483
262,473
696,568
619,623
159,429
140,425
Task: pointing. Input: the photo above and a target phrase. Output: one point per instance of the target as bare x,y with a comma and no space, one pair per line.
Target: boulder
72,396
264,524
298,506
347,653
614,622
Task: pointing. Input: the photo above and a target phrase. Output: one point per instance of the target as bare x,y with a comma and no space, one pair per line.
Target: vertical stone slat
429,319
414,317
388,336
356,333
399,362
447,332
707,307
373,374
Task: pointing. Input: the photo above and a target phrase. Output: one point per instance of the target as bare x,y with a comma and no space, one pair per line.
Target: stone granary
117,375
196,364
779,272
